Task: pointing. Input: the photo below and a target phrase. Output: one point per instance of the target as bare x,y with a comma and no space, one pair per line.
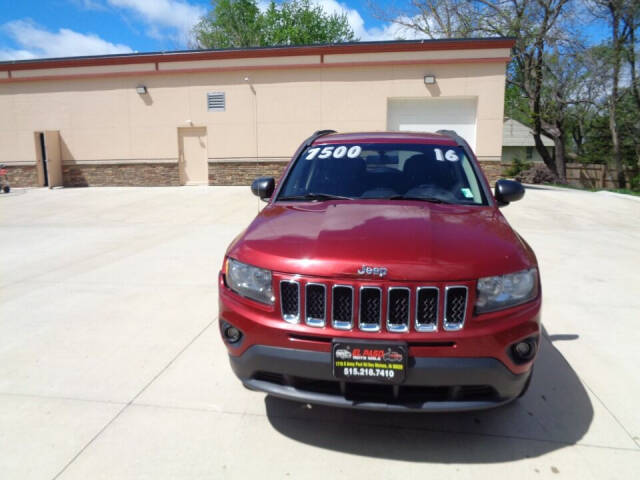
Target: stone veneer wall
492,169
22,175
243,172
167,174
131,174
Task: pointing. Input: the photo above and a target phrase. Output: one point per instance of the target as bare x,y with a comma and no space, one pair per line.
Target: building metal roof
258,52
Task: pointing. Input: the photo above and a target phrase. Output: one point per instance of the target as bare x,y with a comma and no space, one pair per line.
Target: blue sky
58,28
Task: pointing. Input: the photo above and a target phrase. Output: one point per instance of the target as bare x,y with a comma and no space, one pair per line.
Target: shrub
537,174
517,166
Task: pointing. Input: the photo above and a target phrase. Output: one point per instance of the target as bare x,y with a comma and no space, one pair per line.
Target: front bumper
432,384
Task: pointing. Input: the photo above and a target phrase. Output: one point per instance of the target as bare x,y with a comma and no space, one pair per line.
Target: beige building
225,116
518,143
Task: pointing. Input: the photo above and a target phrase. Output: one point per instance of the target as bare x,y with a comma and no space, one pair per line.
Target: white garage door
432,114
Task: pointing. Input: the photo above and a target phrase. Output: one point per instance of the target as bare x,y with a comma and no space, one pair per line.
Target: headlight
503,291
249,281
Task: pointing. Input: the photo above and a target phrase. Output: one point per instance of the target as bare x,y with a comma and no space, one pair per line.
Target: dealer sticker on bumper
369,361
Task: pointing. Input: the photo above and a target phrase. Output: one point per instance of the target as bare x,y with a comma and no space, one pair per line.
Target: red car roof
386,137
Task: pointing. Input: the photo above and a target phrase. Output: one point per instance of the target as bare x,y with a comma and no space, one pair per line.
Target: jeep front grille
290,301
455,307
342,310
316,298
345,307
398,309
427,309
370,308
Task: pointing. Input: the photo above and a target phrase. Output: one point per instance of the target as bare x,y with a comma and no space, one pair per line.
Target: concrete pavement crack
633,439
617,420
60,397
135,397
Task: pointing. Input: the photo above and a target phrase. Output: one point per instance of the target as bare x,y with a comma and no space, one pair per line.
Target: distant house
517,142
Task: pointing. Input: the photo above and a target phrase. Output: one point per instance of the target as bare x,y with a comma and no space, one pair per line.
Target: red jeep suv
381,275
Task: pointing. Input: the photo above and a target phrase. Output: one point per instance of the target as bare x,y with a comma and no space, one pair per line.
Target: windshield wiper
417,197
314,196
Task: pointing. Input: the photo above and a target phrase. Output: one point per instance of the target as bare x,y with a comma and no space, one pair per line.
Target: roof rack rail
317,134
453,135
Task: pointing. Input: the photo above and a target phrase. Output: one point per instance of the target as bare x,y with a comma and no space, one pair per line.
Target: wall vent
215,102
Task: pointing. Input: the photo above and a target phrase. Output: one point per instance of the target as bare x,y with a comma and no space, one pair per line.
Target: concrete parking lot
111,366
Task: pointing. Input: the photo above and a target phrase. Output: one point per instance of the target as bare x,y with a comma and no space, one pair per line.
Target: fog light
525,350
232,334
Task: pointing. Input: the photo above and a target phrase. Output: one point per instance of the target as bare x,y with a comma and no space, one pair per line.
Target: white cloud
16,54
394,31
389,31
36,42
165,18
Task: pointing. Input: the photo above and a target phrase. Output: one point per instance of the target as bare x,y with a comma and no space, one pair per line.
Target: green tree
614,11
240,23
230,23
298,22
516,105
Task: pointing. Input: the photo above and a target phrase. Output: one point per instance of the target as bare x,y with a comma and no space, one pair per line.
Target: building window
529,153
215,102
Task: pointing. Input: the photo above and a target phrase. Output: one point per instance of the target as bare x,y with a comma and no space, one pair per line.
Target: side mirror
508,191
263,187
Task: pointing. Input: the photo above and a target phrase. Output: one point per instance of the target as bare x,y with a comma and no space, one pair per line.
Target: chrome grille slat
427,300
315,304
370,311
398,309
455,306
290,301
342,307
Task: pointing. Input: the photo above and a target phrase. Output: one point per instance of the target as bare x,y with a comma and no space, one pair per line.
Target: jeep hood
415,241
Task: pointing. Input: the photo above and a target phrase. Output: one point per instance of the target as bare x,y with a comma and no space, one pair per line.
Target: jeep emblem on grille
367,270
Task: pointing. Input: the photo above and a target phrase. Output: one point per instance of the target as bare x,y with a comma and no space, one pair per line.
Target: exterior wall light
429,79
142,89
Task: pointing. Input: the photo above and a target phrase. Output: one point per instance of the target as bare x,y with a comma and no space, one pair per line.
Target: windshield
436,173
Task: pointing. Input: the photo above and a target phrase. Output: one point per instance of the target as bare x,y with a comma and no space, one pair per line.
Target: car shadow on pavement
555,412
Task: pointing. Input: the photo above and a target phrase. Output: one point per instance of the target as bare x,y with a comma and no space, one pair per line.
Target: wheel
6,189
526,385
